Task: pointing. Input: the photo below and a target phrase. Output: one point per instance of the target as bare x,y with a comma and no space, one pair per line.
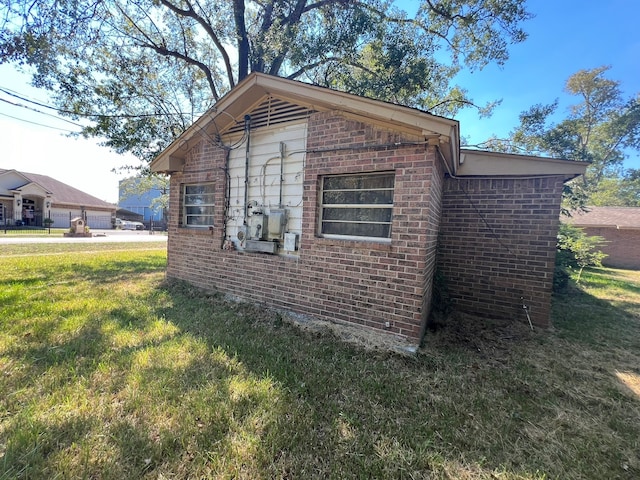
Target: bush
441,301
577,250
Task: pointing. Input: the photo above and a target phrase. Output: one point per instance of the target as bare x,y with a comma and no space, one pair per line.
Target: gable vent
272,112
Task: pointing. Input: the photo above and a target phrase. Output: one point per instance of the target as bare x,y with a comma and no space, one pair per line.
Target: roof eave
249,93
475,163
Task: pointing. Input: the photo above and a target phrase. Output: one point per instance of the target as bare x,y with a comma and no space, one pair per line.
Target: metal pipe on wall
282,155
247,130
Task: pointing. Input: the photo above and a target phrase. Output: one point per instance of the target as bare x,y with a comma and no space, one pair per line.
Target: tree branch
326,61
412,21
191,61
191,13
267,22
243,40
292,20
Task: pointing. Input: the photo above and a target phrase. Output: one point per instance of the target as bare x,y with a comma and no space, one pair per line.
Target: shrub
577,250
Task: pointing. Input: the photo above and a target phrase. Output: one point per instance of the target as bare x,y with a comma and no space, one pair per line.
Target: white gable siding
264,175
9,181
33,189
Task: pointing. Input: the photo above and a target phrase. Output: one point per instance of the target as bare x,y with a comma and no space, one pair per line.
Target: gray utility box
258,224
275,223
263,246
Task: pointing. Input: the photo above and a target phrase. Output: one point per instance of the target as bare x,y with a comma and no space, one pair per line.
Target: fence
60,221
37,225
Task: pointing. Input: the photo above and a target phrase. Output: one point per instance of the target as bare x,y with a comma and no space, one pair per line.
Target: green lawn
107,371
31,231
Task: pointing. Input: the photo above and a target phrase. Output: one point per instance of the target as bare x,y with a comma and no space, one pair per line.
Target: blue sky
564,37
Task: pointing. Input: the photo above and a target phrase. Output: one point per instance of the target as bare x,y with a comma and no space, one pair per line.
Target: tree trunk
243,40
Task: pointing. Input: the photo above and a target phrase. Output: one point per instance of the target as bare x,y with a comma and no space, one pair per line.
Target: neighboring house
145,204
619,226
341,208
28,199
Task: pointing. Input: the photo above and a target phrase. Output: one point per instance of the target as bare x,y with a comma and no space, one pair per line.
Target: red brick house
340,207
619,226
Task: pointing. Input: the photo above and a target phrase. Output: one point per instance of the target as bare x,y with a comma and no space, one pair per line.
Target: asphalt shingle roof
63,193
621,217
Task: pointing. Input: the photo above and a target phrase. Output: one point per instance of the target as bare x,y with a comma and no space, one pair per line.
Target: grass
42,249
31,231
108,371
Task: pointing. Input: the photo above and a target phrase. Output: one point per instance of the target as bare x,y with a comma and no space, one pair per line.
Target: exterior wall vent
273,112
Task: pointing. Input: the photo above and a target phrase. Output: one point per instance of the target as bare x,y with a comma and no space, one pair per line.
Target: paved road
99,236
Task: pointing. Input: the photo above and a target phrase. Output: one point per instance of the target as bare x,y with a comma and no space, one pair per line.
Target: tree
618,191
139,185
602,128
140,71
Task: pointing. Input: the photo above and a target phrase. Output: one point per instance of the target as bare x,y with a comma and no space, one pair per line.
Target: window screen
357,205
198,203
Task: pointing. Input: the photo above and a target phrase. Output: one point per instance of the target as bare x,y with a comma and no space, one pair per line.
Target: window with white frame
357,206
198,203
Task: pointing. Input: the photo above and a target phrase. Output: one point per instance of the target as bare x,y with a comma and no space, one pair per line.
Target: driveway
99,236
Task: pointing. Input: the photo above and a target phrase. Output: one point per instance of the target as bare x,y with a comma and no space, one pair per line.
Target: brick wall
497,244
622,246
363,283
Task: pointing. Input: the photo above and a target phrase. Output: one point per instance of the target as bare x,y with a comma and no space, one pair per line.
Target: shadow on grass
582,317
194,386
80,270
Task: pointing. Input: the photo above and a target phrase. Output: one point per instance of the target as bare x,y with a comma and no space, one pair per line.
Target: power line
40,112
39,124
87,115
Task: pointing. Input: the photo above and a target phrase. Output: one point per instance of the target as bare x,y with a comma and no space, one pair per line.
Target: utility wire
87,115
40,111
39,124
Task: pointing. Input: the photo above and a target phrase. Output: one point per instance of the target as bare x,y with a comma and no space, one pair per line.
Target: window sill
383,244
197,230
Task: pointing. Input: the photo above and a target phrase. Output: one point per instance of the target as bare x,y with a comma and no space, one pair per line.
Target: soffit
475,163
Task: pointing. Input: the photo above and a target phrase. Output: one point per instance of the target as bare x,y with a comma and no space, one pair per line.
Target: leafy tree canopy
139,185
602,128
141,71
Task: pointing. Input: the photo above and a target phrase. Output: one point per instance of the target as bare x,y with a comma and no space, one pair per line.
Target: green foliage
136,186
578,250
140,72
441,301
618,191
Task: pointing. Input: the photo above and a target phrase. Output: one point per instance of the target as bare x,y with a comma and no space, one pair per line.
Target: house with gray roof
28,199
619,226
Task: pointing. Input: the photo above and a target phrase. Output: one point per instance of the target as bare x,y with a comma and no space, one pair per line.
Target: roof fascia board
257,87
172,158
475,163
31,185
321,98
20,174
